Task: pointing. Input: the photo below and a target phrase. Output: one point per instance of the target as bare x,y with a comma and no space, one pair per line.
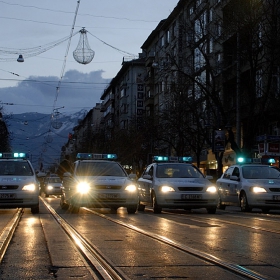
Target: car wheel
131,209
156,208
265,210
244,203
35,209
141,207
63,204
220,205
211,210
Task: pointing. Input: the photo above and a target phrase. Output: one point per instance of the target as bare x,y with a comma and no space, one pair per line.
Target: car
174,183
52,186
19,186
98,181
250,184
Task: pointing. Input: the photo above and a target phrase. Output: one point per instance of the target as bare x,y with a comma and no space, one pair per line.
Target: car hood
16,179
264,182
104,179
185,181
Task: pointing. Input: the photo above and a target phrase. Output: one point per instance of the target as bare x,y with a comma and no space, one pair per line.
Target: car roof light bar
85,156
13,155
241,160
172,159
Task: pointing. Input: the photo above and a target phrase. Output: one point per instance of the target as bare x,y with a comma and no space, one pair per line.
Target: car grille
187,201
8,187
272,202
107,187
190,189
274,189
7,200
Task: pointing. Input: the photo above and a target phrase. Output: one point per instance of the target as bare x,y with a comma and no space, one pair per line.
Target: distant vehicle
19,186
249,185
98,181
173,182
52,186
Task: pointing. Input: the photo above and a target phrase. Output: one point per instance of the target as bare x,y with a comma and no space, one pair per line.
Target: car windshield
20,168
260,172
100,169
55,180
177,171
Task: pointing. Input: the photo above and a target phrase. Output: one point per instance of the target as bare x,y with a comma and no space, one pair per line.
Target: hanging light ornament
83,53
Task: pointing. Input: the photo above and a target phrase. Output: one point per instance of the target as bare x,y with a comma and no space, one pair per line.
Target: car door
145,183
223,185
233,185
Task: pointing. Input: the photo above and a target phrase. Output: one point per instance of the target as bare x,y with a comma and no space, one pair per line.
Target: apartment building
211,66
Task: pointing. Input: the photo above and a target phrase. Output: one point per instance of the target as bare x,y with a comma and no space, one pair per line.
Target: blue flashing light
271,160
186,159
109,156
84,156
161,158
13,155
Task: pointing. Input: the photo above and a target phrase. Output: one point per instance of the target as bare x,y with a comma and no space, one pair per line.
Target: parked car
52,186
249,185
19,186
173,182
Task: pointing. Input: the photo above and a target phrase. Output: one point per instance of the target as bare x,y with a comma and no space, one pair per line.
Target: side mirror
132,176
234,178
67,174
147,177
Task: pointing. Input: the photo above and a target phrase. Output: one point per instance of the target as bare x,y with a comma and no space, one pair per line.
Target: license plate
108,195
276,197
7,195
191,196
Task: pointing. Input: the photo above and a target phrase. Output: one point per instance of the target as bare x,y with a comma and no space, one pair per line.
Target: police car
250,184
19,187
173,182
98,181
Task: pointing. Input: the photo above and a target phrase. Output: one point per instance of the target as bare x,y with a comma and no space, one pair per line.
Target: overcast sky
116,28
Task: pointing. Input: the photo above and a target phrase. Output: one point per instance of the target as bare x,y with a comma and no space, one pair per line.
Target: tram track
232,267
104,268
215,221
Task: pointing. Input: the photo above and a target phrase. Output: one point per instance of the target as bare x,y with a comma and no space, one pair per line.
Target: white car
98,181
250,185
52,186
173,182
19,187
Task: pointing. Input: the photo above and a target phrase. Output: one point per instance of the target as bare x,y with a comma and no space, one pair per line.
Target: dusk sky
115,29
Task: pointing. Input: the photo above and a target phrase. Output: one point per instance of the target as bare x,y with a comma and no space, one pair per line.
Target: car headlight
30,187
167,189
49,187
83,187
130,188
258,190
211,189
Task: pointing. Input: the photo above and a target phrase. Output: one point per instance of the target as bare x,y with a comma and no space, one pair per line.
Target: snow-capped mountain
41,135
